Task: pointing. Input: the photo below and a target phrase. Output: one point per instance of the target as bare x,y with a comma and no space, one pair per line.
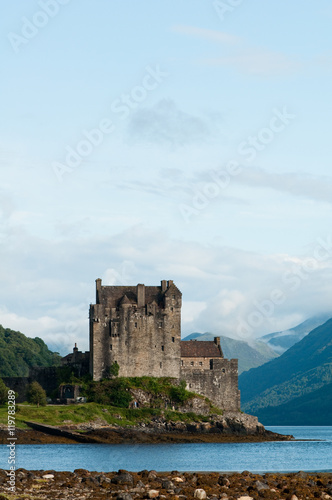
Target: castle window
135,325
161,365
211,364
189,386
162,348
192,363
200,363
223,370
160,324
172,308
173,339
181,362
110,347
173,296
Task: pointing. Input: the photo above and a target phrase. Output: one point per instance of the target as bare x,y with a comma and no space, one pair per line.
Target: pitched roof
199,349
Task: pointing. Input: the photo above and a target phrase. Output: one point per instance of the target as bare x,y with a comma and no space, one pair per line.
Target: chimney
98,290
216,340
163,286
169,283
140,295
75,348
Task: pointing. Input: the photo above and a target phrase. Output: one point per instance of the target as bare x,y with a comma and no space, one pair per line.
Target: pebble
153,493
200,494
88,485
124,496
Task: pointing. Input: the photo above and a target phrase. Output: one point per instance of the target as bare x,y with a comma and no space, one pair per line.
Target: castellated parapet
139,327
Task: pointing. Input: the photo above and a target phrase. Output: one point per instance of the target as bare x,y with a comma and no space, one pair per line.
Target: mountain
18,353
314,408
281,341
291,379
249,355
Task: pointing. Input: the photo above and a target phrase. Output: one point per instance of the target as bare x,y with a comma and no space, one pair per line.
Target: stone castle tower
137,326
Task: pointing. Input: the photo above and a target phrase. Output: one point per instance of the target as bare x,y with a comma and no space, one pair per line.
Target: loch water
312,451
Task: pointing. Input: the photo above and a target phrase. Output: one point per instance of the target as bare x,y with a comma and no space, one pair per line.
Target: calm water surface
256,457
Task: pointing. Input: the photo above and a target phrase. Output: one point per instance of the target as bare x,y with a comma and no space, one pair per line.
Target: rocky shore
124,485
229,427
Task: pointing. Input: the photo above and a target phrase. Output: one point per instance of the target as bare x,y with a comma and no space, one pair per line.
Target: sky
143,141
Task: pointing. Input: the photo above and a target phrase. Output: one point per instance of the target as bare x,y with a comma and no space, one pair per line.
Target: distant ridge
249,355
294,388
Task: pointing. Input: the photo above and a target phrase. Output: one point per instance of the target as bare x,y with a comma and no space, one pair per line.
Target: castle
139,328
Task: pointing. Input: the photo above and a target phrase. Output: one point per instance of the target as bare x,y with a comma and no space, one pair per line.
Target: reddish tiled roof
199,349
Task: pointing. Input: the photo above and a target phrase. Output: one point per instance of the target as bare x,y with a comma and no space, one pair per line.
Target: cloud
306,186
164,123
59,334
239,55
256,62
207,34
47,287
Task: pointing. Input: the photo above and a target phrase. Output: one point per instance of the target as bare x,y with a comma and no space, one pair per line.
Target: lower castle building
139,328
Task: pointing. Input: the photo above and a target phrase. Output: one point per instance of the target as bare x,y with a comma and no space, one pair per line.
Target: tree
3,392
36,394
114,370
179,394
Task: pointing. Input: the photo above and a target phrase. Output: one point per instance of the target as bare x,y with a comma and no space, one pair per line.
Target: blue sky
186,140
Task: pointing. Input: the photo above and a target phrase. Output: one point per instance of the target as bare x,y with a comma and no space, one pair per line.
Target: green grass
102,403
56,414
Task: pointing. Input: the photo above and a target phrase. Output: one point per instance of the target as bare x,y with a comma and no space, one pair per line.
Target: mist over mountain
281,341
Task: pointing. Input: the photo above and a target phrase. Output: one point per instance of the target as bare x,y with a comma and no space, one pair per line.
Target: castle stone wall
139,328
220,384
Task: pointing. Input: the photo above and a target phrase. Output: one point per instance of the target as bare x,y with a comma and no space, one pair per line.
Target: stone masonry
139,327
208,373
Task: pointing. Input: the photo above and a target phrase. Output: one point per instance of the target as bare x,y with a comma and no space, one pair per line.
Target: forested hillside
291,379
18,353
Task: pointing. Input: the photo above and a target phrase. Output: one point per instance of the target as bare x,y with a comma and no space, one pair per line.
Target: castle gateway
139,327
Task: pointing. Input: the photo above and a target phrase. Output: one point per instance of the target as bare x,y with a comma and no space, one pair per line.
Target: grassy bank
59,415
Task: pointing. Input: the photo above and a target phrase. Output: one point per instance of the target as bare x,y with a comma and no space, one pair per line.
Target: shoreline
124,485
107,435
